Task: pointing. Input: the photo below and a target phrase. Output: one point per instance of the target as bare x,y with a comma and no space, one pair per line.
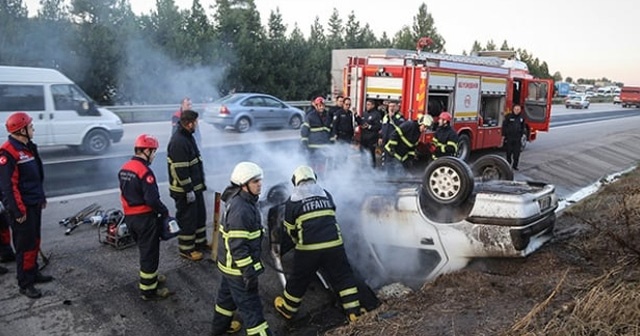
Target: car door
72,113
254,107
277,113
536,103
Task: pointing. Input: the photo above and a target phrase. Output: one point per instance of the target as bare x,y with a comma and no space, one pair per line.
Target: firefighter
21,182
445,139
310,221
513,128
343,122
142,207
316,134
6,251
239,253
186,187
370,124
390,123
401,146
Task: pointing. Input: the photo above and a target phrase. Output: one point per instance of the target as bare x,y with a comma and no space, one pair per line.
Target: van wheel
464,147
448,181
492,167
96,142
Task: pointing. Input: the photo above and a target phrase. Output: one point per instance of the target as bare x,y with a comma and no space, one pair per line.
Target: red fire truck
477,90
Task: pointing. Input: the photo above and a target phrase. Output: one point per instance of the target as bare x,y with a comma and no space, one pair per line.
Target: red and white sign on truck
477,90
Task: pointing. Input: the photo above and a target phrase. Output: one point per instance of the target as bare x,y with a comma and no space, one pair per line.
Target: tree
13,19
352,32
505,46
568,80
336,31
384,41
557,76
424,26
490,45
476,47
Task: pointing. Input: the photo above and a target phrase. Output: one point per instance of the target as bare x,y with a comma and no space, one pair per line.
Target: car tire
492,167
295,122
448,181
464,147
96,142
243,125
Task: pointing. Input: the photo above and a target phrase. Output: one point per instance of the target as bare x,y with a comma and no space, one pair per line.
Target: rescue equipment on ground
112,230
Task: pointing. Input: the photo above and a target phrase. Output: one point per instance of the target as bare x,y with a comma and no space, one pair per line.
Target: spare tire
448,181
492,167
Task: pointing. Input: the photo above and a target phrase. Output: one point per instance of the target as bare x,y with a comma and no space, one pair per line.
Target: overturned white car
415,230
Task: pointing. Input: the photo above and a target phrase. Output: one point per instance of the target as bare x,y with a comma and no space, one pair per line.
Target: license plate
544,203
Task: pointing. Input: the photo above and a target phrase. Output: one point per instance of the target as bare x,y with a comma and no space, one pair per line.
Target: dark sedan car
245,111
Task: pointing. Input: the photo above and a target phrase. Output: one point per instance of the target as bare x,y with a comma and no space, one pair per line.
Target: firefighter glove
191,196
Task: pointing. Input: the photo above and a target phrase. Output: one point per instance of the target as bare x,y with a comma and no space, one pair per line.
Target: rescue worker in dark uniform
445,139
239,253
390,123
21,183
6,251
186,187
513,128
343,123
142,206
316,134
401,146
310,221
370,126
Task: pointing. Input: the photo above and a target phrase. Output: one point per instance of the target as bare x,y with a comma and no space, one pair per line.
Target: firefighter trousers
26,240
5,236
191,218
232,295
334,263
513,148
144,229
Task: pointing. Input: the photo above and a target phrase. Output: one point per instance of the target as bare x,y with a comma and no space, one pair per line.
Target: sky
579,38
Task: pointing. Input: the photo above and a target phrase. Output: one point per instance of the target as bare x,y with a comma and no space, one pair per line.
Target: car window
229,99
70,97
21,98
253,101
270,102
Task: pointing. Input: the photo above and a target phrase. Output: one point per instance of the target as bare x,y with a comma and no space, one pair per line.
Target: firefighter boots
193,255
160,294
278,303
41,278
234,327
31,292
9,257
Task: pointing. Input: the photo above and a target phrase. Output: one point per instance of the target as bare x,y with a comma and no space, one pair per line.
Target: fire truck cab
477,90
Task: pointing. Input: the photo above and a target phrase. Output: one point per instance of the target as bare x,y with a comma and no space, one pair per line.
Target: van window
21,98
70,97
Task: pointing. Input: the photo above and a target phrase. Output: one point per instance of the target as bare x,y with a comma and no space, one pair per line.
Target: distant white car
581,102
616,99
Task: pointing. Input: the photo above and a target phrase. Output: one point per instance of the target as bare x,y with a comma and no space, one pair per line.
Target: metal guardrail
148,113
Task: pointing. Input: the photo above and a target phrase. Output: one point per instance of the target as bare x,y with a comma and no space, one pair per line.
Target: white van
62,113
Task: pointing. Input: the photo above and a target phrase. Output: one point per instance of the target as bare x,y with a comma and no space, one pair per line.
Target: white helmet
244,172
303,173
425,120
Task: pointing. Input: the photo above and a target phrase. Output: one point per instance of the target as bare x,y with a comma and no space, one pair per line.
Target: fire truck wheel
243,125
464,147
448,181
492,167
96,142
295,122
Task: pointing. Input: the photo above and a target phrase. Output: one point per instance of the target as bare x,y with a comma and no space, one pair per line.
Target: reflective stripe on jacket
316,131
404,140
186,172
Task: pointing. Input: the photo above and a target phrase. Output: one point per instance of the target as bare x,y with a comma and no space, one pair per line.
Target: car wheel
464,147
243,125
295,122
492,167
96,142
448,181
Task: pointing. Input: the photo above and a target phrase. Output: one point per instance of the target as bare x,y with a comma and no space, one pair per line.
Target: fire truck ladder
477,60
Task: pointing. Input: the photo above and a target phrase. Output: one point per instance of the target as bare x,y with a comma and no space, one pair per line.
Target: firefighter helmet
303,173
446,116
18,121
425,120
244,172
146,141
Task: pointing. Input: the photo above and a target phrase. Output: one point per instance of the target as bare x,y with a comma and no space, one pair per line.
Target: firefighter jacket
404,140
343,124
389,125
371,124
513,127
186,172
445,141
21,176
310,218
138,189
240,244
316,131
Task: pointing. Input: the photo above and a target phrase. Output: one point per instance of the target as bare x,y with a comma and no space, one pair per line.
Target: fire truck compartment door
384,88
536,102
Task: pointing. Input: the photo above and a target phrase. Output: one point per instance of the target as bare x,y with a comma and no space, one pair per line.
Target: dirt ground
584,282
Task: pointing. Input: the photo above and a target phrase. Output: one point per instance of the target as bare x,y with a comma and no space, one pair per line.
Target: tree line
119,57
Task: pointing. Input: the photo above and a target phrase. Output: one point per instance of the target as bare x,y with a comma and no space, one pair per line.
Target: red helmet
146,141
318,100
18,121
445,116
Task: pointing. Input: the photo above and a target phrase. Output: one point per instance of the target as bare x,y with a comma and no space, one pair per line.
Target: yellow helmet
303,173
